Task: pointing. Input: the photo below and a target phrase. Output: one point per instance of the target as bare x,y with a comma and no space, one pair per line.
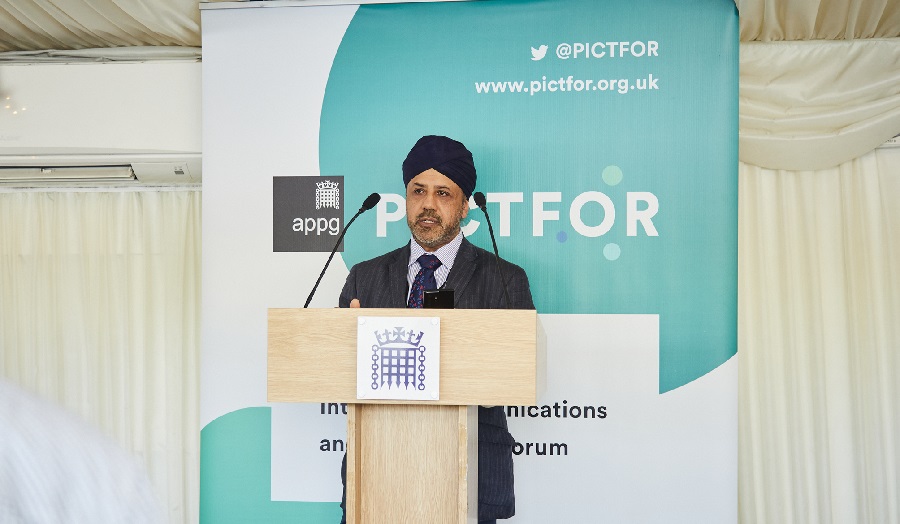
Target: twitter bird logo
538,54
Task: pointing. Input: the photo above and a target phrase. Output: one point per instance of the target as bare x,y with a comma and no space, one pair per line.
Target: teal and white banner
605,138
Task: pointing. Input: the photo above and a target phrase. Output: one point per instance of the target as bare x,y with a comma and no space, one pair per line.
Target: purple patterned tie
424,280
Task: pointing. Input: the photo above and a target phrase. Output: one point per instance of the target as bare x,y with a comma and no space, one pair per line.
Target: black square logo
308,212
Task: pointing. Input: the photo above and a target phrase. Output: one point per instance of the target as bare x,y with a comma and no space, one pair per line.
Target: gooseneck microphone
481,202
368,204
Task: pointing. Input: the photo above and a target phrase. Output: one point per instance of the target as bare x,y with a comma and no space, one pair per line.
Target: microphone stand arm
336,244
496,254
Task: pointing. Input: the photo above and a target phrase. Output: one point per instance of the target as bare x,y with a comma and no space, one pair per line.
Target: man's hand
355,303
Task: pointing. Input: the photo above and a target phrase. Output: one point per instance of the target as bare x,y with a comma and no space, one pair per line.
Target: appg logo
307,213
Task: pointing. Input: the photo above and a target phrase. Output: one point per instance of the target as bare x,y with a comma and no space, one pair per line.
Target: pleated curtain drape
100,313
819,272
819,342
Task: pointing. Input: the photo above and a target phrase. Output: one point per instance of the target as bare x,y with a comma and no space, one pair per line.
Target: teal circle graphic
612,175
465,70
612,251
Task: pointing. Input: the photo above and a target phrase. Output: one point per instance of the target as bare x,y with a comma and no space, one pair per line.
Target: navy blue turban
446,156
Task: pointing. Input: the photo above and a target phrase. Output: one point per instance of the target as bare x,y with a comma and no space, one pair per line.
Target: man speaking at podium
439,174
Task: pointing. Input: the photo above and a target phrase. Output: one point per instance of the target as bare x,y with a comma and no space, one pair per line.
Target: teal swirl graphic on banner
605,133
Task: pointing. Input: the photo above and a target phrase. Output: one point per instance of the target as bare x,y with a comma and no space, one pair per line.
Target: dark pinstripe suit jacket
381,282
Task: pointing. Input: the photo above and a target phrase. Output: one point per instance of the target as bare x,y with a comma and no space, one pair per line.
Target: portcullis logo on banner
307,213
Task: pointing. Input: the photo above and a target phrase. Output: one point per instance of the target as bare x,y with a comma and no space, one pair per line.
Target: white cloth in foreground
56,468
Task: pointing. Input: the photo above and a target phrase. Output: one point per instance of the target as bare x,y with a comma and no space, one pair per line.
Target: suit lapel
398,286
463,269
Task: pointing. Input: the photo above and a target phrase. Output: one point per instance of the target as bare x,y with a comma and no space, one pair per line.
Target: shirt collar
446,253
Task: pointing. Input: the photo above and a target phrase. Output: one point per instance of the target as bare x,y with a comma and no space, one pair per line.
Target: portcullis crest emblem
398,359
328,194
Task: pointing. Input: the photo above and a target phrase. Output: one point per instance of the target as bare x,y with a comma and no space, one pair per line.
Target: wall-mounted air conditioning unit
100,124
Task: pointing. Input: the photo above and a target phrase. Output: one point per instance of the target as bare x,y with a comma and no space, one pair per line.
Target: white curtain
819,262
78,24
819,343
100,312
786,20
814,105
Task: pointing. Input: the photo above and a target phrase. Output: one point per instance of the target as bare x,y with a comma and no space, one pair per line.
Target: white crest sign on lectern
398,358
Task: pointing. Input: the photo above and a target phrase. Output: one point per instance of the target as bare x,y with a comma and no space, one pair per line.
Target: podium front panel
412,464
488,357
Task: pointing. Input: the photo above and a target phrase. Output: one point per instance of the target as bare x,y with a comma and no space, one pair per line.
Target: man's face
435,205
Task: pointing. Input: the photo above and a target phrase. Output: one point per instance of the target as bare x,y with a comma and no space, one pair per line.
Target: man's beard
437,235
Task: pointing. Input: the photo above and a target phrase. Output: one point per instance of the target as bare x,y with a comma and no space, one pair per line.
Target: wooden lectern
409,461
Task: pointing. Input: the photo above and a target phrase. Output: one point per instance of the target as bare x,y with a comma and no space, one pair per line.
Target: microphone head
370,201
480,201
